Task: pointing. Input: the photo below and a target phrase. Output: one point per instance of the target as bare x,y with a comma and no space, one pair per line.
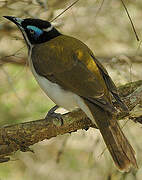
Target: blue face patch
37,31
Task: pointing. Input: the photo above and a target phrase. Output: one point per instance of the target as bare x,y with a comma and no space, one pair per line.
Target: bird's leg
51,113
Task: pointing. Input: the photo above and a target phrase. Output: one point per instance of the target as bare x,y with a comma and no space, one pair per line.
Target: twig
64,10
133,27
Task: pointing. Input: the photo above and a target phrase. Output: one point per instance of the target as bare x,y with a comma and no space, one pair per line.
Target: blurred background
105,28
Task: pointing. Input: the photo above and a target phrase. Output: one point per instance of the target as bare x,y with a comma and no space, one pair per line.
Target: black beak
15,20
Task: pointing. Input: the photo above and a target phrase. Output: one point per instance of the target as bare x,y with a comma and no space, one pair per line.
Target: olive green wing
74,70
110,84
81,81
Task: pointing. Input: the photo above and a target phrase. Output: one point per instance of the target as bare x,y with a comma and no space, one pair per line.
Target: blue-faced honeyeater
68,72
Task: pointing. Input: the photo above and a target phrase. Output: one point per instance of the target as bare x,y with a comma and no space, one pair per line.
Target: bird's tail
115,140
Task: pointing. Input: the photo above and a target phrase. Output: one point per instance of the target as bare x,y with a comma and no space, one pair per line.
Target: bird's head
35,31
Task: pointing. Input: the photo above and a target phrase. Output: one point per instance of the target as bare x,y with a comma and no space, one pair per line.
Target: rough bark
21,136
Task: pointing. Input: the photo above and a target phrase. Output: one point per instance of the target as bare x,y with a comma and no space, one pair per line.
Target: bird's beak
17,21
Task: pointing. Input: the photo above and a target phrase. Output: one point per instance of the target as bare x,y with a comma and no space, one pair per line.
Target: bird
71,76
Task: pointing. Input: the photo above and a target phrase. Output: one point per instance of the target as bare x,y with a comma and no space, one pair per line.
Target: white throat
27,40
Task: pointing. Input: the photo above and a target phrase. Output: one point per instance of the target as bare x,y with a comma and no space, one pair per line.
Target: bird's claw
51,113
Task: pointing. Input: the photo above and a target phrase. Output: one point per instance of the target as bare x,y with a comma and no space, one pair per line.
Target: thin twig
133,27
64,10
99,9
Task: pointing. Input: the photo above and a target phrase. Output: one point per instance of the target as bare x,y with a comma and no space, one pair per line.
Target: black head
35,31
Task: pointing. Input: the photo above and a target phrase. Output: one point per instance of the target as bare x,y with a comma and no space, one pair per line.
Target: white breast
59,96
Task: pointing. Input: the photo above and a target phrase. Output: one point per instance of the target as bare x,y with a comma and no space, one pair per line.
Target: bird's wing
110,85
74,69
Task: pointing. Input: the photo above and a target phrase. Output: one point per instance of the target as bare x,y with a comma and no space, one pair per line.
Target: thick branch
21,136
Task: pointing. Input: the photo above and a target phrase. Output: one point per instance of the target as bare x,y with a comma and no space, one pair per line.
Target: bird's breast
63,98
55,92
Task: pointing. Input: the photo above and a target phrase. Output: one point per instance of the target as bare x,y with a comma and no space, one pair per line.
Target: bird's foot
51,113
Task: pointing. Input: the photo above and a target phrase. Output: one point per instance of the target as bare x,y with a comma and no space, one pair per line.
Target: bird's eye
32,31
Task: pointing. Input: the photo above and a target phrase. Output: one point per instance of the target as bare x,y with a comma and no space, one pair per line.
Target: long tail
115,140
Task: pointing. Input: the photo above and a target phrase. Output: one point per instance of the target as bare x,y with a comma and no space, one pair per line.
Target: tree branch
21,136
118,59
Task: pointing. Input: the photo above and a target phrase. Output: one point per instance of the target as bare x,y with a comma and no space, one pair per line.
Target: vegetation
107,31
